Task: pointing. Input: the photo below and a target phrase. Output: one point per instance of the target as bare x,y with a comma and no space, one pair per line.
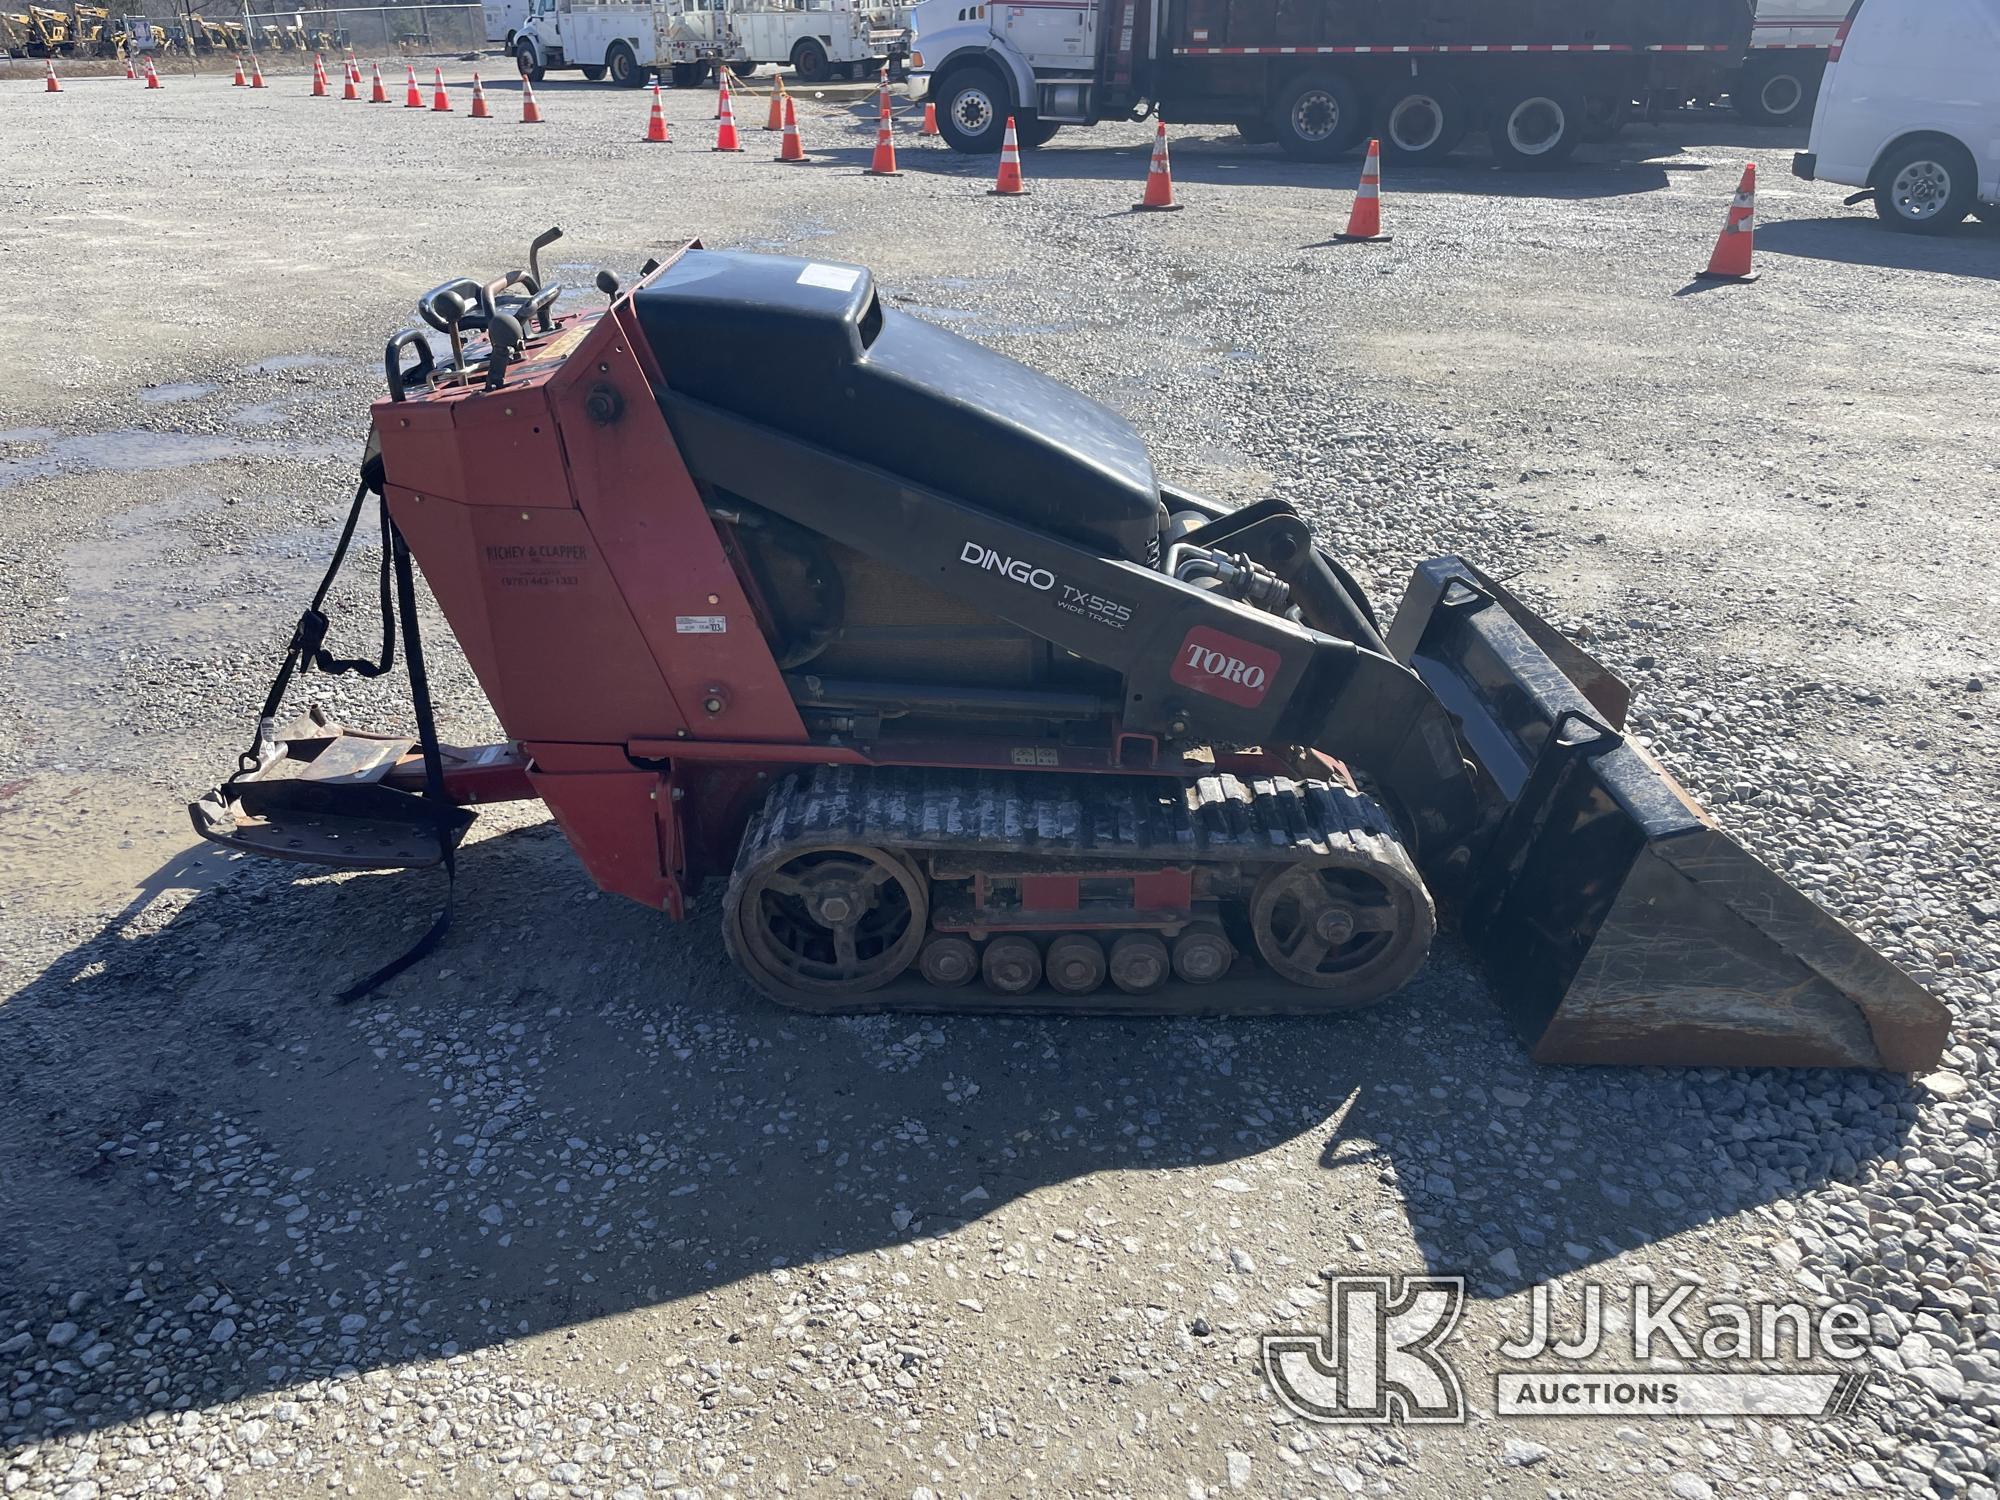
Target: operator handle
401,381
434,305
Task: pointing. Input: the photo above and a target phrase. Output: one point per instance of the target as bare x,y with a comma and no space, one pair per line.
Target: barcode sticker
833,278
701,625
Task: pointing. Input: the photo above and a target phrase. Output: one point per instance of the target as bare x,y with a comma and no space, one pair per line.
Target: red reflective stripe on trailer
1385,48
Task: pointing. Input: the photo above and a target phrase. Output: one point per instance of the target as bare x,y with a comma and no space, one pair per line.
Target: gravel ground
567,1211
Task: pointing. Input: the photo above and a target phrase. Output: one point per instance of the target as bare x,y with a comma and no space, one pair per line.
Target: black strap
396,549
307,648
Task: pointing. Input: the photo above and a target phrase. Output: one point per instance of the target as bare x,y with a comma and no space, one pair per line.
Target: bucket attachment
319,798
1620,925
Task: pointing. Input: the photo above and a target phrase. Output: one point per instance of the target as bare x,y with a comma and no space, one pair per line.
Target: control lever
448,304
464,287
607,283
535,248
504,335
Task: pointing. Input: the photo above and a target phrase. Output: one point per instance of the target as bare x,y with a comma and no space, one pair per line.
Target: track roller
1012,965
1203,953
1139,963
1076,964
947,960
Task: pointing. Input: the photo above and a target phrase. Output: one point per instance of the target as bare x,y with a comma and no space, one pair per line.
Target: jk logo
1378,1360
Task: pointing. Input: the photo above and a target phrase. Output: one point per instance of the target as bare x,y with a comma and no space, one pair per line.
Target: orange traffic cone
882,97
414,97
1159,197
1009,182
376,93
440,101
153,76
1364,220
884,162
725,132
256,72
54,84
350,84
479,109
930,120
236,83
656,120
776,119
130,74
1731,260
531,112
319,78
791,149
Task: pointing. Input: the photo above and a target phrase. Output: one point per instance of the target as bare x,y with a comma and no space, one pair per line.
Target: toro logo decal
1224,667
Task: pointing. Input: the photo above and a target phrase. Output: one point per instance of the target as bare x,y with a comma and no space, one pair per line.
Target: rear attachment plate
321,801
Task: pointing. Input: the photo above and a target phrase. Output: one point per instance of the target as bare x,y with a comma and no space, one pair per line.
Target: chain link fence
372,31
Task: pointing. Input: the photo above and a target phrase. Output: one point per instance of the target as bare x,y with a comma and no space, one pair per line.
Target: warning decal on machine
833,278
701,625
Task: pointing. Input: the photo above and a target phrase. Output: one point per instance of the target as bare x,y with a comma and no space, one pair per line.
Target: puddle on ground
278,363
133,451
27,435
184,390
264,414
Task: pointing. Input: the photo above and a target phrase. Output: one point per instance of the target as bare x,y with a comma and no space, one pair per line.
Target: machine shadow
1858,239
574,1109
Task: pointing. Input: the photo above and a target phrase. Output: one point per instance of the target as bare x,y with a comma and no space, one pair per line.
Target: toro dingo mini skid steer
908,646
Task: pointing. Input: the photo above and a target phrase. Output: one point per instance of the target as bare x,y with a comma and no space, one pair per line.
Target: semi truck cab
1037,61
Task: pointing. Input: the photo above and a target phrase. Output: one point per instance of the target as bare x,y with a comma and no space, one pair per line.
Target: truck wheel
1925,186
1032,132
809,61
1538,127
1778,92
623,66
743,69
593,72
1256,132
1318,117
1422,122
972,110
524,59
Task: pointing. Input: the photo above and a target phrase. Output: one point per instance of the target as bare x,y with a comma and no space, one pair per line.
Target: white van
1910,110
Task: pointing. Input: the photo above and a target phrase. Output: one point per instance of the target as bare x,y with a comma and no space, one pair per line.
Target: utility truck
820,39
622,41
503,20
1317,76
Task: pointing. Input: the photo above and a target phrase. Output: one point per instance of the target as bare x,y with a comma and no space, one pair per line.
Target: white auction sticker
701,625
833,278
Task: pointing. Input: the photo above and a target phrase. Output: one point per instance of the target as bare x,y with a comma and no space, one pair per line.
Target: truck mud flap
1618,923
